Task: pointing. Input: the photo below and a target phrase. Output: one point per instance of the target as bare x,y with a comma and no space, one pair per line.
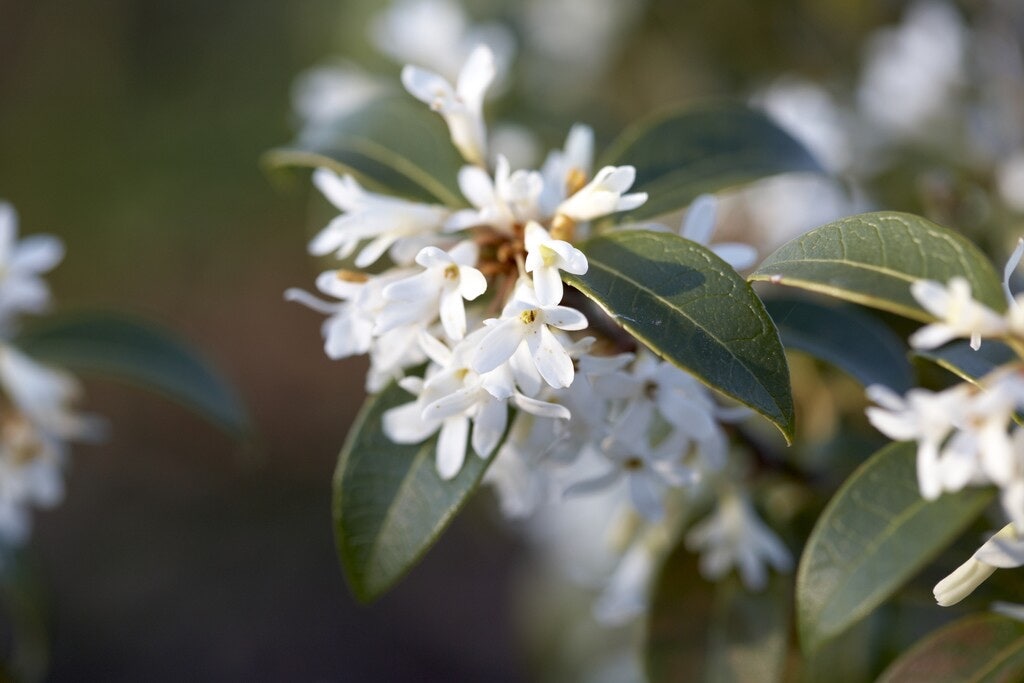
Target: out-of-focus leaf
964,362
392,145
981,648
691,308
872,258
841,335
141,353
721,632
873,536
390,505
749,632
683,153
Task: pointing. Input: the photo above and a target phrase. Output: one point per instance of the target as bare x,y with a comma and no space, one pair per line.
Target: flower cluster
476,294
967,434
36,401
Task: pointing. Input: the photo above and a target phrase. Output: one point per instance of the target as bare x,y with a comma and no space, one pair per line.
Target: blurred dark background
133,130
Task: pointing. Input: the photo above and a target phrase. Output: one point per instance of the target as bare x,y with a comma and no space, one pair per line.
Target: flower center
528,316
451,272
633,463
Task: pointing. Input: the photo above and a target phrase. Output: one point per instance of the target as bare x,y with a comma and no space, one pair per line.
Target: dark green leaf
691,308
139,352
390,505
872,258
981,648
966,363
849,339
873,536
393,145
680,154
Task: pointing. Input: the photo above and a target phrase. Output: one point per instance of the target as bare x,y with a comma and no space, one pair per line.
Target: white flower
22,290
567,170
438,35
33,432
699,224
545,257
923,416
325,93
1003,550
958,313
452,398
649,471
604,195
734,536
509,199
448,278
348,329
461,107
385,221
524,321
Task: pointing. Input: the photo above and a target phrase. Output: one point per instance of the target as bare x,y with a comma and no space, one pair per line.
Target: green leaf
390,505
966,363
393,145
691,308
141,353
872,258
682,153
749,632
841,335
872,537
981,648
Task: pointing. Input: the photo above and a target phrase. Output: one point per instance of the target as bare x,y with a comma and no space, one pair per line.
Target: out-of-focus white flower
516,143
448,279
625,595
438,35
545,257
1003,550
22,262
912,71
385,221
923,416
648,470
326,93
34,429
524,321
958,313
1010,181
461,106
604,195
734,536
698,226
808,113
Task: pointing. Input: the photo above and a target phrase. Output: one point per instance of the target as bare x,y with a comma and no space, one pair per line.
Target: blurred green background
133,130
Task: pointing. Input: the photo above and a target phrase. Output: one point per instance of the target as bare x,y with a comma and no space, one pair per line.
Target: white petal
453,314
598,483
404,424
476,76
36,254
699,222
476,186
451,446
426,86
932,336
564,318
548,285
645,496
489,426
498,345
472,283
541,408
552,360
739,256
